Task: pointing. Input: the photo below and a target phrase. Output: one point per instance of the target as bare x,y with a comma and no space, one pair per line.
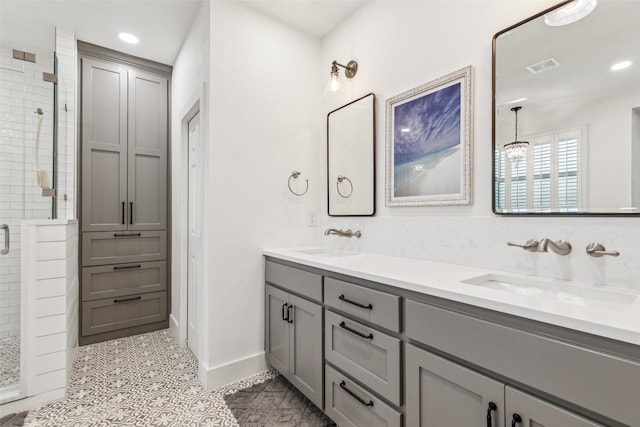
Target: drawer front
377,307
110,314
602,383
108,281
299,281
350,405
123,247
373,359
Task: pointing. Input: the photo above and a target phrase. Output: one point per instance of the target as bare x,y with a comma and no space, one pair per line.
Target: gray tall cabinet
123,204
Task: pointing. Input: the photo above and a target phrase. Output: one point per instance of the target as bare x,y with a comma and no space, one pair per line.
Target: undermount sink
569,294
323,252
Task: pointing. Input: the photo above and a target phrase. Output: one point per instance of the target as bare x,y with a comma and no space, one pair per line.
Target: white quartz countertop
600,310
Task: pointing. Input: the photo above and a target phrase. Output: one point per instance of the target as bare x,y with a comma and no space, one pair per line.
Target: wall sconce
334,83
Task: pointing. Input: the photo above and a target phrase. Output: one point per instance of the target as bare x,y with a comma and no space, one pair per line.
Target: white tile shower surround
143,380
22,91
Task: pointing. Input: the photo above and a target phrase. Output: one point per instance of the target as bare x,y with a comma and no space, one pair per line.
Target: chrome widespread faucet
347,233
561,247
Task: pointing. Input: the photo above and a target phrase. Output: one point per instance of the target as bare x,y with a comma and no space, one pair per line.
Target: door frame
180,212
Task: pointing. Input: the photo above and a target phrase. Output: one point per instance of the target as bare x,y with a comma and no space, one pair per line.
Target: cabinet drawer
344,406
377,307
109,314
108,281
299,281
102,248
373,358
602,383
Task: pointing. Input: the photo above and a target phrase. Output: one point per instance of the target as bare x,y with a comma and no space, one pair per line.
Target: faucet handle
530,245
597,250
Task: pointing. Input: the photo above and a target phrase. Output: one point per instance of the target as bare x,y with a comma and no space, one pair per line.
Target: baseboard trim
173,326
32,402
227,373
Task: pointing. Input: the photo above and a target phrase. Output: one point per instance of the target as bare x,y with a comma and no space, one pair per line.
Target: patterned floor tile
149,380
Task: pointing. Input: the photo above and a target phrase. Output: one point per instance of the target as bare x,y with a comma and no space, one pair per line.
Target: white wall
261,118
189,86
265,121
401,45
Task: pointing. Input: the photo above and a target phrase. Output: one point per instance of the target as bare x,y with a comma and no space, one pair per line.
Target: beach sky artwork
427,141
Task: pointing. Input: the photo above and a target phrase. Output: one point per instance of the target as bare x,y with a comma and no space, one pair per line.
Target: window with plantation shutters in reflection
546,178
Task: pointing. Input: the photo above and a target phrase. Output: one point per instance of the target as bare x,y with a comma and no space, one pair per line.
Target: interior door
195,226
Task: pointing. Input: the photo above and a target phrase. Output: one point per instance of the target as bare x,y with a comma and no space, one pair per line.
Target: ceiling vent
544,65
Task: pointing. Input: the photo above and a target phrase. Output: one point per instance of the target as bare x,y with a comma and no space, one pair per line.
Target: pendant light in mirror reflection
334,83
570,13
516,150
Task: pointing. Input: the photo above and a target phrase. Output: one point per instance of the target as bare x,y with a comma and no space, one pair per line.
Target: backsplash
481,242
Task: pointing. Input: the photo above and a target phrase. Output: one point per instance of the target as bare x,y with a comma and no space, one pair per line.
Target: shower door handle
7,240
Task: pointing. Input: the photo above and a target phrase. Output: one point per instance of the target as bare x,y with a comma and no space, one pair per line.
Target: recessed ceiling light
128,38
570,13
405,130
620,65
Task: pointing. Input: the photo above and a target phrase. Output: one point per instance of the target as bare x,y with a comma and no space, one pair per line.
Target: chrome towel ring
344,178
295,175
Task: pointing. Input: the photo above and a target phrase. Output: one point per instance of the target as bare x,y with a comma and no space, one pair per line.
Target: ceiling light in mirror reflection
572,12
621,65
128,38
405,130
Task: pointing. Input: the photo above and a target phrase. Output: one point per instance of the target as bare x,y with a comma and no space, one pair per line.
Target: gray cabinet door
442,393
535,412
277,329
147,151
305,356
104,146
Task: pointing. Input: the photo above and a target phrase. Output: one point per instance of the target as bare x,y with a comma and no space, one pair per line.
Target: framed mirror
566,111
351,158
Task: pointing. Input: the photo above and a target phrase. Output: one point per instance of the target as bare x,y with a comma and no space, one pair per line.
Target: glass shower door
26,110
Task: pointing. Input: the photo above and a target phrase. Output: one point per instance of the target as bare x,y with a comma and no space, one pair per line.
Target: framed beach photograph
429,146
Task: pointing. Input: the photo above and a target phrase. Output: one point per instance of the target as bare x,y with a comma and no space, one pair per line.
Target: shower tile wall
22,91
66,52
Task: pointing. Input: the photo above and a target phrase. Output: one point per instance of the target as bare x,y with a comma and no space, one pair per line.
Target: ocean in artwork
433,174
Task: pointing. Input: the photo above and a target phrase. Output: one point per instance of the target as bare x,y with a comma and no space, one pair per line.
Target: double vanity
376,340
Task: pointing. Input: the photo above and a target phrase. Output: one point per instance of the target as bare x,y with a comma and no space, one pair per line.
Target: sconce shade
334,83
